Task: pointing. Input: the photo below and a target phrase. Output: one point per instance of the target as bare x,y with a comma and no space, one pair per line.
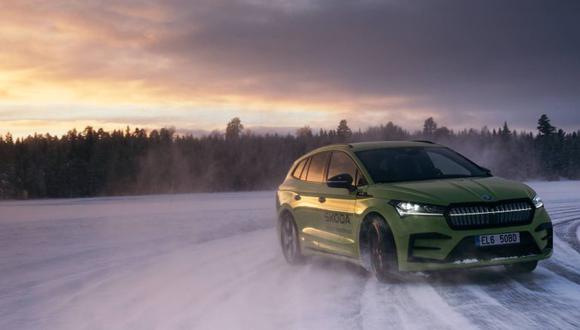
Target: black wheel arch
363,238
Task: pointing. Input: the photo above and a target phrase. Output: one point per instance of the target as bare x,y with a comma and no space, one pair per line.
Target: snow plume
167,164
503,157
164,169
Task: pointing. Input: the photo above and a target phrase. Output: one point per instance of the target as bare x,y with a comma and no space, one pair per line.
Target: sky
279,65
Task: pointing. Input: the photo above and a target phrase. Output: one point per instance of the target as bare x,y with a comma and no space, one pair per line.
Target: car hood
448,191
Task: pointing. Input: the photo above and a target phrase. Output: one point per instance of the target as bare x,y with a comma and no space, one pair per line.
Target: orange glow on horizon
71,65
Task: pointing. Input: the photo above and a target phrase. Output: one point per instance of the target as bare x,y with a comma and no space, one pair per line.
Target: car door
337,206
307,201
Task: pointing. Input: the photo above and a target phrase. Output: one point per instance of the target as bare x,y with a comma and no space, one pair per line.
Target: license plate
497,239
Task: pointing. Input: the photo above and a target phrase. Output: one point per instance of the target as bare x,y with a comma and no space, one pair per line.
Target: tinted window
446,165
416,163
341,163
317,167
298,169
360,179
305,171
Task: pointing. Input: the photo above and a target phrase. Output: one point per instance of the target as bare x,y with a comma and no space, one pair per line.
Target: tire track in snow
540,299
491,299
468,291
412,304
562,271
568,232
566,249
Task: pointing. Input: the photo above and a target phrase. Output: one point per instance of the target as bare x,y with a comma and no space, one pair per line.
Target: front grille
501,214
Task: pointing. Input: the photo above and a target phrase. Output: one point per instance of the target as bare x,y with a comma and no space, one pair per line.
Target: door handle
297,197
321,199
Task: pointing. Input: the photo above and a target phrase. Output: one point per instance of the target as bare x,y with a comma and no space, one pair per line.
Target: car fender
388,213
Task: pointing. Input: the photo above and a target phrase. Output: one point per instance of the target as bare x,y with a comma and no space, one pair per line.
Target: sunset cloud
195,64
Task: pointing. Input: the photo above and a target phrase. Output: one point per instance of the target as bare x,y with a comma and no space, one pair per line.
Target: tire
383,252
289,240
522,267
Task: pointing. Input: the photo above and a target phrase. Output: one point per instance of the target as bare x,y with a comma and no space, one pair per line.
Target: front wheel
289,240
383,251
522,267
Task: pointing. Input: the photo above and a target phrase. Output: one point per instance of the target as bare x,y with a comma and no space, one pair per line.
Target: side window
341,163
299,169
317,166
360,179
305,171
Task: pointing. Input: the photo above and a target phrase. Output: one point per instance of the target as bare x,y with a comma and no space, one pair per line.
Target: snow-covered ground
211,261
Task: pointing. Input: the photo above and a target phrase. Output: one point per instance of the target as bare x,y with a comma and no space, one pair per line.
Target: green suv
408,206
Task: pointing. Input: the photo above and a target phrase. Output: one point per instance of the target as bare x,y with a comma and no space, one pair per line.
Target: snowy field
212,261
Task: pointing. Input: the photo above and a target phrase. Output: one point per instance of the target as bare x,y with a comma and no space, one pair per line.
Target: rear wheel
522,267
289,240
383,253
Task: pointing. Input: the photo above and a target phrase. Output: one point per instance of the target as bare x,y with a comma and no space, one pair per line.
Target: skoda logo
486,197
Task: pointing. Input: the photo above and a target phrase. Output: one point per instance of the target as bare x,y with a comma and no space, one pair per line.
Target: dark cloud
291,63
491,60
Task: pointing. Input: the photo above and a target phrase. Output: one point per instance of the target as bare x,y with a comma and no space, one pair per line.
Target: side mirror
343,180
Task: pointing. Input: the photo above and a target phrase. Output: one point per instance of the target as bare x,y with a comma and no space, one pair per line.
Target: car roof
359,146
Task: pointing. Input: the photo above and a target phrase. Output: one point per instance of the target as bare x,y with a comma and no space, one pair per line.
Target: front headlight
410,208
538,202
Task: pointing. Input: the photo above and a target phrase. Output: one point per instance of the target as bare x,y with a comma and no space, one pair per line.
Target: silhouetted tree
544,126
429,127
505,130
343,131
234,129
304,132
95,162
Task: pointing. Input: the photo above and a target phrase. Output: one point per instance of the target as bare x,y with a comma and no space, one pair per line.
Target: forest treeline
95,162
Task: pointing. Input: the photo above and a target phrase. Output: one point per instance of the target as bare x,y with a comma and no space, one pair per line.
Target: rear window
299,169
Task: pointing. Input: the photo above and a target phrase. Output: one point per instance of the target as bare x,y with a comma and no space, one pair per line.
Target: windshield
417,163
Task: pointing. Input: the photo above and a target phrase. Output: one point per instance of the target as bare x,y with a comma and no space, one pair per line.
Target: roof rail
424,141
338,145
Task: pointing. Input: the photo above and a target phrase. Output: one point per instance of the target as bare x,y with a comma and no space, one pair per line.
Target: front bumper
430,244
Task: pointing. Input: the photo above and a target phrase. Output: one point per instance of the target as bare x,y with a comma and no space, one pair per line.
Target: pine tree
96,162
343,131
505,131
544,126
